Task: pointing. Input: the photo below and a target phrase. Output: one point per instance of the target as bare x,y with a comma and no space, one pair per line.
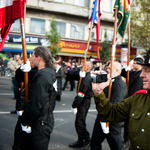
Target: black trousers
80,122
15,87
71,83
114,137
18,136
2,71
126,128
39,138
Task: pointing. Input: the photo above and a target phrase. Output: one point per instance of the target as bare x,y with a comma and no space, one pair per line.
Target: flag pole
24,53
24,21
112,56
128,73
85,55
128,58
113,52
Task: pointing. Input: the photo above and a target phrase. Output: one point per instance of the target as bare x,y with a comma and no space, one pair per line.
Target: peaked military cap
147,59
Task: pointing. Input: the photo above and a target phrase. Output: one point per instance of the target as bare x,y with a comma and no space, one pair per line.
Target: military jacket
136,108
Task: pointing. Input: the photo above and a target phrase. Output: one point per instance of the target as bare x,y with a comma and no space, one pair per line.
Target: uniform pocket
134,122
136,114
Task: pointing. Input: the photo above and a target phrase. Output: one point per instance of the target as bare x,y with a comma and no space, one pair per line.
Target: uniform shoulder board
141,92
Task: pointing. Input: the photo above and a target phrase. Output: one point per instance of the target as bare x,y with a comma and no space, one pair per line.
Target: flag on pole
94,14
95,18
98,26
129,4
10,10
123,16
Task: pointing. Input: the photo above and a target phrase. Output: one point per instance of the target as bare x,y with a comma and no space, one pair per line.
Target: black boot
86,144
78,143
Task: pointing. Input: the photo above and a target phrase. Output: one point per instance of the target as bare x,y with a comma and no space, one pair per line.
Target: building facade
71,17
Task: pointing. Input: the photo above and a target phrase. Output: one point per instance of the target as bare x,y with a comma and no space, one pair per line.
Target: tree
53,37
105,52
140,23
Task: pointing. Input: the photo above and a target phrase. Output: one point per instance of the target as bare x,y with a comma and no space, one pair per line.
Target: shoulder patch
141,92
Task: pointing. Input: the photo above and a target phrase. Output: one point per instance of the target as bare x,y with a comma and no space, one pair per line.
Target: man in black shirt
135,84
113,135
81,105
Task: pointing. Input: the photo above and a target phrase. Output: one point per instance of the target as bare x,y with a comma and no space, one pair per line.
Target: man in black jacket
135,84
20,102
37,119
81,105
113,132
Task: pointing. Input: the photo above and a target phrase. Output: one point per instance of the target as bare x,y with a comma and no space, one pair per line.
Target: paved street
64,130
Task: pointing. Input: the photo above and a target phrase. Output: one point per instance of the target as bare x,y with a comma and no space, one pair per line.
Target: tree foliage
53,37
140,23
105,52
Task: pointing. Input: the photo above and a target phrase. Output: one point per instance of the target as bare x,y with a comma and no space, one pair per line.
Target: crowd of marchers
48,78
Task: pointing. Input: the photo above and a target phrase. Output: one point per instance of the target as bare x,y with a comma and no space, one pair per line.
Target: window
77,31
61,28
79,2
15,26
37,26
63,1
110,34
107,5
93,34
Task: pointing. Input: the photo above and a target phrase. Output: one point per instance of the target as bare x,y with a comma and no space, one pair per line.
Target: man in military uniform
136,108
81,105
37,119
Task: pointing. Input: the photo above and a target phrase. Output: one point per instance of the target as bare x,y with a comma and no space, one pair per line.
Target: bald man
81,105
113,136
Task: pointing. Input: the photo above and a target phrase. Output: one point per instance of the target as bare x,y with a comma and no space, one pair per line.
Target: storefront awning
15,50
75,55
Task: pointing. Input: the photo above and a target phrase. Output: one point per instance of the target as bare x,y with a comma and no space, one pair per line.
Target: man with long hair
37,119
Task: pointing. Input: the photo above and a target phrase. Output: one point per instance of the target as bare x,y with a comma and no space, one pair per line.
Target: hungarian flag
123,16
10,10
95,18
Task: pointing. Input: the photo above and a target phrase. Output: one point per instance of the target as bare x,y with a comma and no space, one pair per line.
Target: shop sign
30,40
19,46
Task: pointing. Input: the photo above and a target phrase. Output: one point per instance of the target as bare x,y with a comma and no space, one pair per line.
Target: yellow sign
63,44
